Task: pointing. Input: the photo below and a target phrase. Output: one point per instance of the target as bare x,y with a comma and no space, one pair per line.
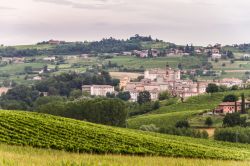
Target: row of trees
99,110
181,128
213,88
109,45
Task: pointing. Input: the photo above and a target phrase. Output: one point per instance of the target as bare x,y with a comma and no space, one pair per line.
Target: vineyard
168,115
28,156
50,132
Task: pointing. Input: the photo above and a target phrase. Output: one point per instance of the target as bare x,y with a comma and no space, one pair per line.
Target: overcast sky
181,21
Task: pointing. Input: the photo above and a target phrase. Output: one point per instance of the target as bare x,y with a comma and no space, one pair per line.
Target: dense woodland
110,45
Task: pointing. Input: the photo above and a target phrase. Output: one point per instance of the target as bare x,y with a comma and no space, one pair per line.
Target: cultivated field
51,132
27,156
169,115
120,75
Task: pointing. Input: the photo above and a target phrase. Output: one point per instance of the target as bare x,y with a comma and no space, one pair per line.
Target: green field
199,121
160,62
168,115
46,131
39,47
27,156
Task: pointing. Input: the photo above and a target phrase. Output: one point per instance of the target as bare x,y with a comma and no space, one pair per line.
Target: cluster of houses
13,60
213,50
159,80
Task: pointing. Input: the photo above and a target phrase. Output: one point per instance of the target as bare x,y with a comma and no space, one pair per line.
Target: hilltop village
156,81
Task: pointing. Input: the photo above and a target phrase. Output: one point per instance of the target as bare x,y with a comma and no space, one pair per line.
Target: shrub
184,132
209,121
230,98
234,119
236,134
182,124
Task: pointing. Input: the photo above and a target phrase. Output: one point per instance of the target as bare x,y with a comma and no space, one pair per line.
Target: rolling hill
167,116
50,132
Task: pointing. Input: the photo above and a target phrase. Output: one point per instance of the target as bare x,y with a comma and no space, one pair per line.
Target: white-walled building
98,90
216,56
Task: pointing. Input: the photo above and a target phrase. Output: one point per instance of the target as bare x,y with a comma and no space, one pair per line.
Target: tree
212,88
125,96
230,98
28,69
235,87
110,95
234,119
75,94
150,54
223,88
243,104
156,105
182,124
21,93
209,121
47,99
100,110
144,97
164,95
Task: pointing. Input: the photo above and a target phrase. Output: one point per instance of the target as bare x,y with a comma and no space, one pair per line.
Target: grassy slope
46,131
160,62
168,115
27,156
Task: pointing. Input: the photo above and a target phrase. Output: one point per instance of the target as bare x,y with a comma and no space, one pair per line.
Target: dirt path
210,131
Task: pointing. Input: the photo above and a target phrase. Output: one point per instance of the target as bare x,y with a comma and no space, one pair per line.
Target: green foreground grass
28,156
50,132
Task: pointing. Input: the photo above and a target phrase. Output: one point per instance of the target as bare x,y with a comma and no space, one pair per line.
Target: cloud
6,8
88,4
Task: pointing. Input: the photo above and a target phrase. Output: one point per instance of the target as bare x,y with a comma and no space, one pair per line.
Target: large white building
98,90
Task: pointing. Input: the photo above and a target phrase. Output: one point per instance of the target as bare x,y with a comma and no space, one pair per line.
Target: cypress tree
243,106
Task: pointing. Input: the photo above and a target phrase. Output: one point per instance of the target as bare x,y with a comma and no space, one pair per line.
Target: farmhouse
98,90
231,107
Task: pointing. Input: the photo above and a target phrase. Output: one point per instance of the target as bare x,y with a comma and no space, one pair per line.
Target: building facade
98,90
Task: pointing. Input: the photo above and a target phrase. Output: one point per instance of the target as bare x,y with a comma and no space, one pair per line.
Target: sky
198,22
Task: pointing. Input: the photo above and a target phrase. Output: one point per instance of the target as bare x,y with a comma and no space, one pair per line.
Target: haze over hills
78,88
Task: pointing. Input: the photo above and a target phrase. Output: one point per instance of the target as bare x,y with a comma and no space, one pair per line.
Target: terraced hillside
46,131
168,115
